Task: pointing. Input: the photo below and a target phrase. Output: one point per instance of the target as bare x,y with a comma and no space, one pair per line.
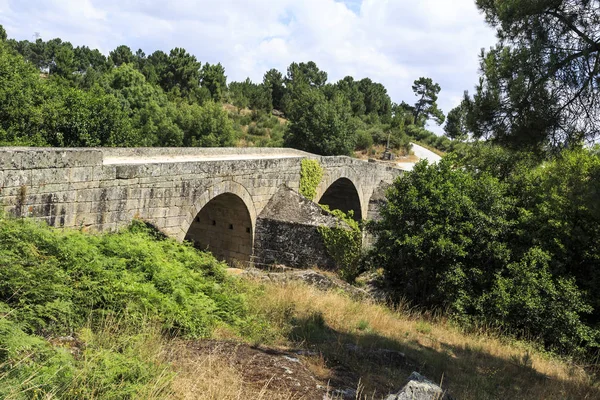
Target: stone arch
342,194
223,221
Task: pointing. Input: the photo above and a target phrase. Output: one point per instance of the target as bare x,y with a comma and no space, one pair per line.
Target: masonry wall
101,190
291,244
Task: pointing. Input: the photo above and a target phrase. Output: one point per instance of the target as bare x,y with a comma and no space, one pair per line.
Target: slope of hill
129,315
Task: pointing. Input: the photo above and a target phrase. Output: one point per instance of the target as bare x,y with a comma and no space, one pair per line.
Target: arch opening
342,195
223,227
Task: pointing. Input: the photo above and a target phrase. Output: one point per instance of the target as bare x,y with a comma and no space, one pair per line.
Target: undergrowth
80,314
93,316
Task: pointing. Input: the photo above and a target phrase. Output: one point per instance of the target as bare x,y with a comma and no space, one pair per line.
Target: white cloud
391,41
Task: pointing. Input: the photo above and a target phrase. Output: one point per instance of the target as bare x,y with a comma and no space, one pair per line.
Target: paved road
423,154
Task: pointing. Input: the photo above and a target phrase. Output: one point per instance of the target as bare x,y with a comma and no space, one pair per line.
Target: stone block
17,178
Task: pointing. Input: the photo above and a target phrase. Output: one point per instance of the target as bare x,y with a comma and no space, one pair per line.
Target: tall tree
305,73
273,82
319,125
121,55
213,78
456,128
155,67
182,72
376,99
352,90
540,84
426,106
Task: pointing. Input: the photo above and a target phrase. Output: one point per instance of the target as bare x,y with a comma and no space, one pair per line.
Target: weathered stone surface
287,232
419,388
317,279
103,189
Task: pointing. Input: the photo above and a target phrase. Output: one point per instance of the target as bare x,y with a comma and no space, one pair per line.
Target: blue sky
390,41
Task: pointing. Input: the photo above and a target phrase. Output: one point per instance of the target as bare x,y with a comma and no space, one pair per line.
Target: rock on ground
419,388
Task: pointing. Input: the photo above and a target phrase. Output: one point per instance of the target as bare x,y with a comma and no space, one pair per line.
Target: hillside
59,95
136,315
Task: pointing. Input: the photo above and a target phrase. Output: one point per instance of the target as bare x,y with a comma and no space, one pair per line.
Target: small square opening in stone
214,223
247,230
197,219
230,226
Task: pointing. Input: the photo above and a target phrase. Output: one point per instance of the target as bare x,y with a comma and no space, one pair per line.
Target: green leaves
512,251
54,282
426,107
537,86
319,125
344,244
311,174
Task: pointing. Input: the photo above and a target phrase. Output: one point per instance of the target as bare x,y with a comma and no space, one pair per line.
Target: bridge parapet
104,189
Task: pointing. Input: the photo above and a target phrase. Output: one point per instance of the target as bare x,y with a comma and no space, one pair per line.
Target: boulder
419,388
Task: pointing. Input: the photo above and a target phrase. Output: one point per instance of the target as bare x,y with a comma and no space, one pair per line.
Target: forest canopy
56,94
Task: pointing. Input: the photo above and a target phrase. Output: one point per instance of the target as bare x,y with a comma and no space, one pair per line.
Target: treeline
55,94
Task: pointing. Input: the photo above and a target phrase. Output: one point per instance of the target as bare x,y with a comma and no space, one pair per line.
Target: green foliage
504,250
82,98
121,55
20,93
456,124
344,244
115,362
364,140
319,125
305,74
248,94
441,233
273,83
539,85
212,77
426,107
311,174
207,126
76,276
528,298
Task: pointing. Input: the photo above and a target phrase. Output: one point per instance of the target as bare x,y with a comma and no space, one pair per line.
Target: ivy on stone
344,244
311,174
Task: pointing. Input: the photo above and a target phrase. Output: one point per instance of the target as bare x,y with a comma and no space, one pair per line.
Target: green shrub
344,244
453,238
29,366
256,131
364,140
54,281
111,296
527,298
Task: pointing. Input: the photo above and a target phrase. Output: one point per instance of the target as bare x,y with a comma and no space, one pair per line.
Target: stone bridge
211,196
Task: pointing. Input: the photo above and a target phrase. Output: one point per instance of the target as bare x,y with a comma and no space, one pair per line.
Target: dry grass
218,374
471,366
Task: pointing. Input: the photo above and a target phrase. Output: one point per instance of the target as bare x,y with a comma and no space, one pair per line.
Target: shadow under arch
343,195
223,223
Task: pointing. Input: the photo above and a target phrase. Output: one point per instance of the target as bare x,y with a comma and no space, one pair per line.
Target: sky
392,42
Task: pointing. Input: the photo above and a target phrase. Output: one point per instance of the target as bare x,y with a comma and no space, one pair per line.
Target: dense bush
364,140
54,282
97,298
344,244
502,250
